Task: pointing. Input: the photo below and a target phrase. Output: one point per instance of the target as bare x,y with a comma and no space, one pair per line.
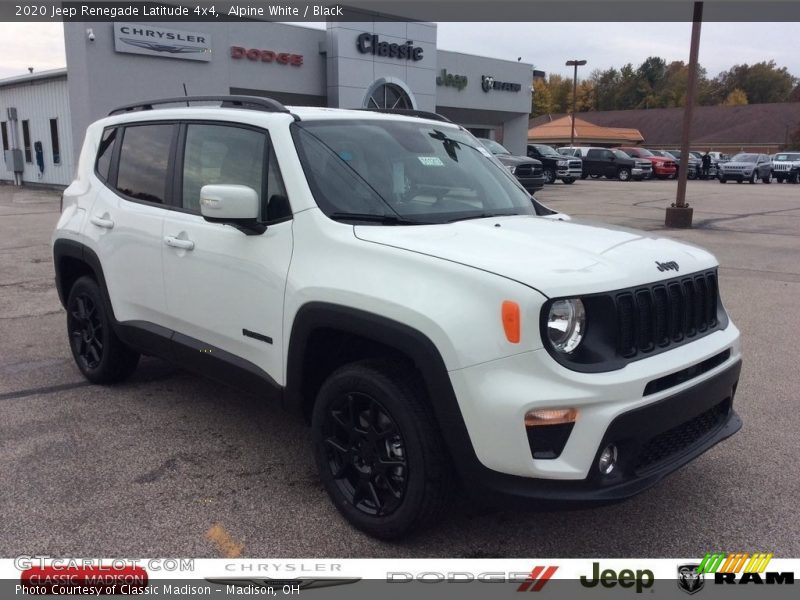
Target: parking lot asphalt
167,463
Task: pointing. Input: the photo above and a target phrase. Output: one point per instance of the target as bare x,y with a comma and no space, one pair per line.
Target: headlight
512,169
566,324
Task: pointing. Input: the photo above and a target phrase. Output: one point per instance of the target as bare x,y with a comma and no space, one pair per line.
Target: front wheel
100,355
624,174
723,180
779,178
568,180
378,449
549,176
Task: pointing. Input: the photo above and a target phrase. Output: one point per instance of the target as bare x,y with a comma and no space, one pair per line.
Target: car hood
558,258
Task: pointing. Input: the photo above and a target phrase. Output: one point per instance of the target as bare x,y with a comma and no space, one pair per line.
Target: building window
54,141
26,142
4,129
389,95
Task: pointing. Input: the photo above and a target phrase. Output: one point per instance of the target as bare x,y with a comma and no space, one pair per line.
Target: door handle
102,222
174,242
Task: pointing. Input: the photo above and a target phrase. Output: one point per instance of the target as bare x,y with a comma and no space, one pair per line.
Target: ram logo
668,266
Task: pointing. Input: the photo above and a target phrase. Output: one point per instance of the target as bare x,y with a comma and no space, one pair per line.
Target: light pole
576,64
680,213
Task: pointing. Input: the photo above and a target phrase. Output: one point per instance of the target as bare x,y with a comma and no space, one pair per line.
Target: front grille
682,437
575,164
537,171
782,167
527,170
666,313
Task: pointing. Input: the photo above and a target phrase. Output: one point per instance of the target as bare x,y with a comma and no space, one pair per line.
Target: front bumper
569,173
613,408
532,184
736,176
640,173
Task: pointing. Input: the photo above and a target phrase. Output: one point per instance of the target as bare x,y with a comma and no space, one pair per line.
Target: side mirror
235,205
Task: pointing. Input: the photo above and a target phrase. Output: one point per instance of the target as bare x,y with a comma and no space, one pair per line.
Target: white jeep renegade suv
385,277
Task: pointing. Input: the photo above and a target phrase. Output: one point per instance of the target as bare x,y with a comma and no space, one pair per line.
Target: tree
605,85
542,103
585,97
737,97
762,82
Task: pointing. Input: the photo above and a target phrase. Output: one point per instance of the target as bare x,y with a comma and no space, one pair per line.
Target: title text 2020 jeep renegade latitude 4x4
387,278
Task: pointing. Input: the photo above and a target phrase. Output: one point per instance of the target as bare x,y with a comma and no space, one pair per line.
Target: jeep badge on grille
668,266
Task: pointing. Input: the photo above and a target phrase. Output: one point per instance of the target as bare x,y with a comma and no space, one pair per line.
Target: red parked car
663,168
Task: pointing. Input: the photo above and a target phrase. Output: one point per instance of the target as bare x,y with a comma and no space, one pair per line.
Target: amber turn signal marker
511,324
560,416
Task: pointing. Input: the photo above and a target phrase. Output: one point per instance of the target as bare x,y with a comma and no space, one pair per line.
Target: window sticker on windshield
345,155
431,161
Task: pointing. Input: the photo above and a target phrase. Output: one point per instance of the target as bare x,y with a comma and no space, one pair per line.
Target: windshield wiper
370,218
485,215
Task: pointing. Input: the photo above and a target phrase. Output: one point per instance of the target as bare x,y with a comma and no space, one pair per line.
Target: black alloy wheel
366,454
378,448
99,354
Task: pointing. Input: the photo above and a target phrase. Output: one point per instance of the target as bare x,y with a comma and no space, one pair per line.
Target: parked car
377,275
694,164
529,171
786,167
555,165
719,157
613,164
746,167
713,169
663,168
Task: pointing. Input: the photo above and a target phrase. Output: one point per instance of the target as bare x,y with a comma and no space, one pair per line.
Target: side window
607,154
54,141
222,154
104,153
594,154
4,130
277,199
143,160
26,141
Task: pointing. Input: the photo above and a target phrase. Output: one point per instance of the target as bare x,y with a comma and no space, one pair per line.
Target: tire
99,354
568,180
401,429
596,176
723,180
692,175
738,181
753,178
779,178
584,176
549,176
767,179
624,174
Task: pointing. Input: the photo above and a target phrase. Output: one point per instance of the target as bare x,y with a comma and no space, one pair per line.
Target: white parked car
385,277
786,167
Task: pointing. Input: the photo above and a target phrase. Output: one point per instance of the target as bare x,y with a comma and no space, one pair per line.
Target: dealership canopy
558,132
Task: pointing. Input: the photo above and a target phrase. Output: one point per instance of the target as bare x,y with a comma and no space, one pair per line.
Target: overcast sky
545,45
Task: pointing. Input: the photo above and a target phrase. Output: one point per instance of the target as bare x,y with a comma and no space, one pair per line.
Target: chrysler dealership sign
158,41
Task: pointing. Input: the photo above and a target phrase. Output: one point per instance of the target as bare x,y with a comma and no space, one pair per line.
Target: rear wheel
549,176
100,355
624,174
380,455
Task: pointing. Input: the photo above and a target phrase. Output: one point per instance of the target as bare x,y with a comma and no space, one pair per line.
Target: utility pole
576,64
680,214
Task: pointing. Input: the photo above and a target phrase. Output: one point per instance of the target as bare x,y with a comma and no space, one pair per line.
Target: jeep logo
668,266
641,579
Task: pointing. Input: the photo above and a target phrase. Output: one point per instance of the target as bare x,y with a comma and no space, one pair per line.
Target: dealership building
373,63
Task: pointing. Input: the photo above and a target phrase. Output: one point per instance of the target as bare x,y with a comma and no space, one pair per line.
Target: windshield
642,152
746,158
546,151
620,154
784,157
404,172
493,147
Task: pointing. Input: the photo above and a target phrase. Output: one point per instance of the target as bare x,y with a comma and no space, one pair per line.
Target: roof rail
410,112
245,102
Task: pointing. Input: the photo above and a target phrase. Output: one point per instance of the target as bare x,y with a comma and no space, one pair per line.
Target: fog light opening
608,459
